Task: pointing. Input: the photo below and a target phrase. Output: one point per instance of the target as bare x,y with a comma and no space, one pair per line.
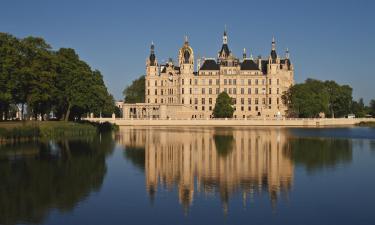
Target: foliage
135,93
313,97
223,107
372,107
359,109
33,75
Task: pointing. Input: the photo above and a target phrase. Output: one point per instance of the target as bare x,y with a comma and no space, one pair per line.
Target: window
263,101
277,100
242,82
196,101
230,81
156,100
249,81
225,90
256,90
203,91
242,91
217,81
225,81
249,101
256,81
156,91
234,101
195,90
210,91
270,81
148,83
234,91
210,81
156,83
190,81
190,91
210,101
277,81
196,81
183,102
249,90
249,108
217,91
203,101
210,108
234,81
263,81
182,91
202,108
162,91
242,108
270,91
242,101
230,90
182,82
256,101
270,101
191,102
203,82
148,91
162,100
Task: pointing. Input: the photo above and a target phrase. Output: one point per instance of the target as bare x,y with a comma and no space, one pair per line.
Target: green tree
223,107
135,93
313,97
372,107
307,99
359,108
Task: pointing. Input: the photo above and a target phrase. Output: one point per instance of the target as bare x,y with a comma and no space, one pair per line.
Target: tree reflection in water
52,175
226,161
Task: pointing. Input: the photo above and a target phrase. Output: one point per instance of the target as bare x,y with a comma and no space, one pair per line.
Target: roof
210,64
249,64
225,49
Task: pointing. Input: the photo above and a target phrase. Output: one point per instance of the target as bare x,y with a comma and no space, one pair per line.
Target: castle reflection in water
221,161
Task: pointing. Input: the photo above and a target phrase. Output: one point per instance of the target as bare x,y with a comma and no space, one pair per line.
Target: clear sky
327,39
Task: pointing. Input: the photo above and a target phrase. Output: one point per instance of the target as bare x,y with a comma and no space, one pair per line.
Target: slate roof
249,64
225,49
210,64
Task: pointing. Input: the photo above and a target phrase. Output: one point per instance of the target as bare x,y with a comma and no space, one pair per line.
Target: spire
287,53
186,40
244,53
273,51
225,37
152,57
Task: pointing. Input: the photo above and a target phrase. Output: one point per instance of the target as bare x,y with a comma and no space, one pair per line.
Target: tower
186,58
273,60
151,62
224,52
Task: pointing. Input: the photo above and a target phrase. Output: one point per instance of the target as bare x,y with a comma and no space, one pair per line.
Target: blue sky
327,39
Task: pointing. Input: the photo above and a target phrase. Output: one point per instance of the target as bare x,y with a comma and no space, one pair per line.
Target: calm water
193,176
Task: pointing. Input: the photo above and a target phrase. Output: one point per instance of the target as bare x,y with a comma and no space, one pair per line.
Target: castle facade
179,92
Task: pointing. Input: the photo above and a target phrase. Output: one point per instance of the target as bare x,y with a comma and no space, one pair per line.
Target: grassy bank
29,130
366,124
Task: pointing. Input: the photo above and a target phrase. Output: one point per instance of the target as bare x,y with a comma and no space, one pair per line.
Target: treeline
314,97
40,80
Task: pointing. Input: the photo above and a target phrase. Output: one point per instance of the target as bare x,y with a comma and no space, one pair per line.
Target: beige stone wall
256,94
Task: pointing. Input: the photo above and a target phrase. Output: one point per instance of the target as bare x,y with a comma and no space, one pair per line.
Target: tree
359,108
313,97
135,93
372,107
307,99
223,107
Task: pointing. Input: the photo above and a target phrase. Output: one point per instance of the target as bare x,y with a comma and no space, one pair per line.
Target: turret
152,63
224,52
186,58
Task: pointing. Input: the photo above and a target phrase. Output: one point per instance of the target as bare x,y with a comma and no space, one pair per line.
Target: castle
179,92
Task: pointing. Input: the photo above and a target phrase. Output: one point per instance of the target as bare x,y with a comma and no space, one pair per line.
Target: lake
193,175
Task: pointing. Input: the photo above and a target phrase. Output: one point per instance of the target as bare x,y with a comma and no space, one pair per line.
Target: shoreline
328,122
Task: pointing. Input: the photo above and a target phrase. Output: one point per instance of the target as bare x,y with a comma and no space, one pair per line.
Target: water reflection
38,177
222,160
